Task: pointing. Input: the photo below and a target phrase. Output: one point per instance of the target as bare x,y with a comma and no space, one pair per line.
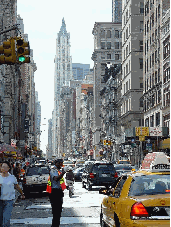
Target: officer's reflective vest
49,184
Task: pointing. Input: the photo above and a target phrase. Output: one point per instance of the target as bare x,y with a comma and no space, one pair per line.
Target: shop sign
156,131
141,138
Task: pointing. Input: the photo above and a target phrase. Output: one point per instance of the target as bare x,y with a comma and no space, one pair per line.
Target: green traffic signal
21,58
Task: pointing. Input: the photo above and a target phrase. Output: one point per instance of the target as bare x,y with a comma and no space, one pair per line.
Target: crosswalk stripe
64,220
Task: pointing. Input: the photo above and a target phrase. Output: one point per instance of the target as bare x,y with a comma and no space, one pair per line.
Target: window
116,34
108,56
150,62
141,45
153,100
120,45
141,63
116,56
141,85
141,26
108,34
108,45
147,122
126,68
102,45
116,45
127,33
158,10
126,86
157,118
159,96
129,65
153,59
102,55
127,50
152,121
102,34
156,56
141,7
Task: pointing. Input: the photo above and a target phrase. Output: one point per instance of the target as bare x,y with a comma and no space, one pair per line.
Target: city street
83,209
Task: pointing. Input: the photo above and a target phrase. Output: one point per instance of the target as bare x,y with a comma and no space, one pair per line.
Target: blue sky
42,21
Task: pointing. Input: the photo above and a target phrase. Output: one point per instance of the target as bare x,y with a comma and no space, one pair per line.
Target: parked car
98,174
35,179
78,173
123,168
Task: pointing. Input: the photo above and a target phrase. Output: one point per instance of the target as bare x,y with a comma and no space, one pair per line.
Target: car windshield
37,171
150,185
103,168
123,167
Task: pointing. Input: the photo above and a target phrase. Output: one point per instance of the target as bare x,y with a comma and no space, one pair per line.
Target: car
79,163
98,173
139,199
35,179
68,163
123,168
124,162
78,173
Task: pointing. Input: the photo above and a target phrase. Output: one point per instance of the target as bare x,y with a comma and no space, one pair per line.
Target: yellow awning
165,144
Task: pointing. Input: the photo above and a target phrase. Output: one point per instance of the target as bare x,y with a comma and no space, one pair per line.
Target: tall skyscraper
63,75
117,11
80,70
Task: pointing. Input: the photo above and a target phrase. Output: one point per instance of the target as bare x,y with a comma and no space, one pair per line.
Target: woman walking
7,184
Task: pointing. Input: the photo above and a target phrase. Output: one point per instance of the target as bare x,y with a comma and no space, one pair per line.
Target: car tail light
24,180
91,175
138,210
116,175
167,190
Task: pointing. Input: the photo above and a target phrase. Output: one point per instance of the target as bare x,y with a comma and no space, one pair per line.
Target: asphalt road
83,209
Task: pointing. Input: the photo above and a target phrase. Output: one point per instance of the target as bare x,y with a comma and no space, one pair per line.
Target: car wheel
89,186
83,185
117,223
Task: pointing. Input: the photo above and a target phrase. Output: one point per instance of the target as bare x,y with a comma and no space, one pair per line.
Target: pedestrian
17,171
7,183
56,195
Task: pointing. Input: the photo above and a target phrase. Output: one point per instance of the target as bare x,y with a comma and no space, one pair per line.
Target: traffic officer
56,196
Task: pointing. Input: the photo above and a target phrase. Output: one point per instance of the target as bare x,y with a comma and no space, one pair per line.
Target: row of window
151,6
107,45
149,121
152,80
149,63
152,100
108,56
107,34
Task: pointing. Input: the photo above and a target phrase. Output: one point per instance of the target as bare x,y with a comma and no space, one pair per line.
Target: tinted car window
150,185
124,167
32,171
44,170
124,162
102,168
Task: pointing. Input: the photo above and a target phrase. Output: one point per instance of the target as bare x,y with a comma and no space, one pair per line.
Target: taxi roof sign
156,162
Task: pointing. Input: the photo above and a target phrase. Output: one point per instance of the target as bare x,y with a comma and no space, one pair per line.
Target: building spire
63,27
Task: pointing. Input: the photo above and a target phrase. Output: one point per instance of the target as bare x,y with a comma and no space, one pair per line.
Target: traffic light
26,126
23,51
7,52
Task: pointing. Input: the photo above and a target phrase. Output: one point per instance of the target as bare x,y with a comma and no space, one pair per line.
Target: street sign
141,138
156,131
142,131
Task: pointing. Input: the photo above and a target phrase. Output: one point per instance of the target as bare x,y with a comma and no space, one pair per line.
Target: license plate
104,175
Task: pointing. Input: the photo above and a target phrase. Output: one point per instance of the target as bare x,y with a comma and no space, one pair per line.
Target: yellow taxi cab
124,162
139,199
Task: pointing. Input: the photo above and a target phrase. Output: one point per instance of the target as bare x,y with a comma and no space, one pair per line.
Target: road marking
64,220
